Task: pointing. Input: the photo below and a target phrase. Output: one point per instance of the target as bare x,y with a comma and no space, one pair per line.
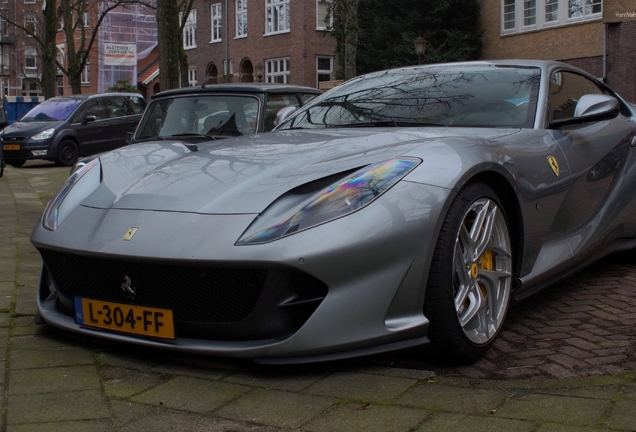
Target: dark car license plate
140,320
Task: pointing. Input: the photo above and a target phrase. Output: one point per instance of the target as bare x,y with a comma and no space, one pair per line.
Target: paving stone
445,422
58,406
364,387
276,408
276,380
130,417
456,399
554,427
49,380
622,415
124,383
33,358
189,394
367,417
65,426
562,409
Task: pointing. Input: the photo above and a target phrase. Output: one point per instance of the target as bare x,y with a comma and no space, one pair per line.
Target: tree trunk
49,50
350,38
183,68
170,43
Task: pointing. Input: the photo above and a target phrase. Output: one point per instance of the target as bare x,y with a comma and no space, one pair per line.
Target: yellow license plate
11,147
140,320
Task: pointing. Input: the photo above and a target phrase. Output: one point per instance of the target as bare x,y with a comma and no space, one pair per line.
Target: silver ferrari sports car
403,207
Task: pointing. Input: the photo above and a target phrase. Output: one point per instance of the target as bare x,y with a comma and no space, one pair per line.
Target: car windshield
207,115
477,96
52,110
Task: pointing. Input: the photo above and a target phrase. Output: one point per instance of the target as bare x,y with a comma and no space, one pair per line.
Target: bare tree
345,29
80,35
172,16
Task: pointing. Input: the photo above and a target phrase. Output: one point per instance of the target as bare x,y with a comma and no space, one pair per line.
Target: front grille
194,293
13,139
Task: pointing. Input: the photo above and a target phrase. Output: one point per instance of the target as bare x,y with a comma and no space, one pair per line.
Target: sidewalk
57,381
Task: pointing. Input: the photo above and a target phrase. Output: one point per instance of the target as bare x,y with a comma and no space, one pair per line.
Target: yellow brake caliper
486,261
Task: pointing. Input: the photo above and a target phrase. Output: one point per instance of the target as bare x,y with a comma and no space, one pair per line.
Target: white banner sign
120,54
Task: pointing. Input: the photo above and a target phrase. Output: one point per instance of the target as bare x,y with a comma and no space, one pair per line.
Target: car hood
27,129
245,175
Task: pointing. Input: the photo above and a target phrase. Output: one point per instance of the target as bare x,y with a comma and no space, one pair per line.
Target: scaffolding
127,34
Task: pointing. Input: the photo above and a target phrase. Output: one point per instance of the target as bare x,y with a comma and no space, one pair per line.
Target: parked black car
65,127
218,110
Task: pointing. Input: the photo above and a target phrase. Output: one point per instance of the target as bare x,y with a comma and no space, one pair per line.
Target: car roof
248,88
85,96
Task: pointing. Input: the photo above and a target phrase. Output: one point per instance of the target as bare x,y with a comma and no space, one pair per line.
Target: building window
190,31
4,27
4,59
324,68
30,61
29,88
508,14
29,1
86,20
529,12
225,70
583,8
241,18
192,77
85,78
217,22
29,23
277,13
60,85
538,14
551,10
277,71
324,20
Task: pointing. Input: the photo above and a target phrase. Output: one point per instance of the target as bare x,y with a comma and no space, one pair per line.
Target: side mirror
590,108
283,114
129,137
88,119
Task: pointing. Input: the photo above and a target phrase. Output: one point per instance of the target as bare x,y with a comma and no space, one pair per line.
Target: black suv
65,127
212,111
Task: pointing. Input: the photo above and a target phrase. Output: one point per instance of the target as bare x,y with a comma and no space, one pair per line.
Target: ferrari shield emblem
130,233
554,165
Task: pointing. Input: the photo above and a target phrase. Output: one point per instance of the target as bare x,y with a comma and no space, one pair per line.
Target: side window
116,106
95,108
135,104
566,88
274,104
307,97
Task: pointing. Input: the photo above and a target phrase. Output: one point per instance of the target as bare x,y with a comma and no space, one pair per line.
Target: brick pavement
565,362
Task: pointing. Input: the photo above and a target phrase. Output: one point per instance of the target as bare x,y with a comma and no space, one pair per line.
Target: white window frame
86,20
30,53
241,15
323,71
515,14
216,23
4,58
29,1
278,67
225,71
277,16
190,30
320,24
85,78
30,19
192,77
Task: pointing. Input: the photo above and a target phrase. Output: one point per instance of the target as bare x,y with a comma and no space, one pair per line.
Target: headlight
342,198
59,208
45,134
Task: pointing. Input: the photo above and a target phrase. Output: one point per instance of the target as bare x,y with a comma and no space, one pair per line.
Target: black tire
16,163
67,153
471,275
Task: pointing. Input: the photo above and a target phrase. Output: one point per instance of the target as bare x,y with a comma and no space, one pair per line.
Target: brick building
595,35
285,41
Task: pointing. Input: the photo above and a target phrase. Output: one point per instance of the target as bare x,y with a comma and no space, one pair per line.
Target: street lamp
259,69
420,49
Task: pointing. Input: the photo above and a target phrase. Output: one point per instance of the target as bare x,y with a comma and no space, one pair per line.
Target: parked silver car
402,207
